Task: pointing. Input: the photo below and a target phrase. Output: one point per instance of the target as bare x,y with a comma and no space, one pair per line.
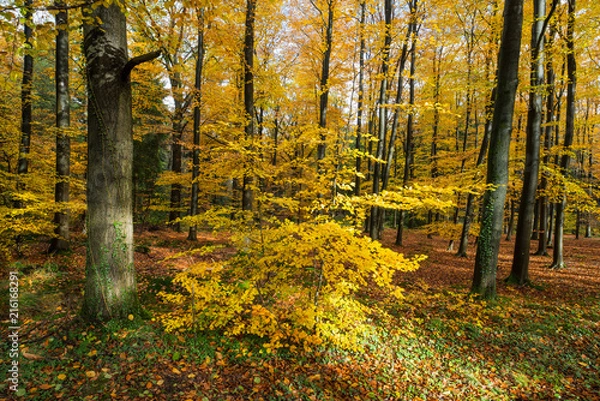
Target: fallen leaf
32,357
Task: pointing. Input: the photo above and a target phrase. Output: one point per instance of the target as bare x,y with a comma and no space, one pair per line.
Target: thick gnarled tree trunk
110,288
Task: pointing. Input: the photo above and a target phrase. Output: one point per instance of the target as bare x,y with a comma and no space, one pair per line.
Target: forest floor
540,342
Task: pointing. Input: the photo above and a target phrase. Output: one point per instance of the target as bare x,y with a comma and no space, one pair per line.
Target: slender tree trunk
193,231
177,145
376,212
486,259
63,141
361,88
511,221
248,181
409,139
110,287
544,232
520,267
558,254
324,82
26,108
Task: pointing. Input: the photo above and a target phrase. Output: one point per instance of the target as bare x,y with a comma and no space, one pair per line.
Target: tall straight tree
110,287
486,259
26,109
377,212
248,67
409,142
192,234
324,81
558,255
520,267
63,141
361,95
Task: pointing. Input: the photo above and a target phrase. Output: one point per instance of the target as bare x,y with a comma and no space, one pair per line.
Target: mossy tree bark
486,259
110,288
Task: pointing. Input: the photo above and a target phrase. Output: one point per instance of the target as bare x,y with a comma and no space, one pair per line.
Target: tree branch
134,62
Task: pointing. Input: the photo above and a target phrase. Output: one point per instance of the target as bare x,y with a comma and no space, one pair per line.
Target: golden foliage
294,285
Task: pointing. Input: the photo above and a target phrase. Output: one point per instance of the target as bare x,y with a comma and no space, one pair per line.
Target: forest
300,199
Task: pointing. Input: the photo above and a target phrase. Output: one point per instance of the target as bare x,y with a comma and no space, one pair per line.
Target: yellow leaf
130,317
62,376
90,374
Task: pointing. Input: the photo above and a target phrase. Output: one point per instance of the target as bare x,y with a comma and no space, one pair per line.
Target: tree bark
193,231
248,181
409,139
486,259
63,141
110,287
324,81
377,212
26,108
558,254
360,105
520,267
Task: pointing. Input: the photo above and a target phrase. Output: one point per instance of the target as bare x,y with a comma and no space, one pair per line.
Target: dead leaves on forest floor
536,343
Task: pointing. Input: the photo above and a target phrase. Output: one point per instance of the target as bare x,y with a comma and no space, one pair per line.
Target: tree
558,256
26,107
63,141
377,212
192,235
325,66
520,267
248,67
110,287
486,259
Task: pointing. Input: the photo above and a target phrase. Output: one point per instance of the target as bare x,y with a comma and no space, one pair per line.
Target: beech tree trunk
110,287
247,191
192,234
558,254
486,259
409,139
520,267
377,212
63,141
324,82
361,88
26,109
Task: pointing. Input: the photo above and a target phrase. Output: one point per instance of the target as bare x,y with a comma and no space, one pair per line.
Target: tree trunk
324,82
110,287
248,181
544,232
486,259
520,267
26,109
558,254
192,234
361,88
377,212
409,139
63,141
469,209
